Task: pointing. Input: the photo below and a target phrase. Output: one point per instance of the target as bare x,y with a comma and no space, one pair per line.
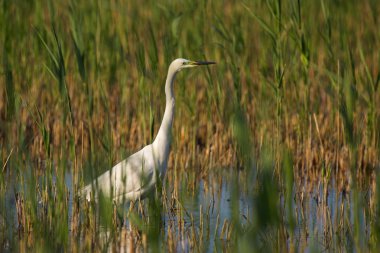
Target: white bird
135,177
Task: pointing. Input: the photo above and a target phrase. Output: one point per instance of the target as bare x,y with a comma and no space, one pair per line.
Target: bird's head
179,64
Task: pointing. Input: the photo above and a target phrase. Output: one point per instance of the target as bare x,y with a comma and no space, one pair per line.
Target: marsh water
207,209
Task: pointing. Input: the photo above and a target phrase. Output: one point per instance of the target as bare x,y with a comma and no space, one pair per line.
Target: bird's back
131,179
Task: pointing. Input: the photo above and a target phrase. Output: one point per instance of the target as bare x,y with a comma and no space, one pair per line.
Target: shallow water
208,203
212,198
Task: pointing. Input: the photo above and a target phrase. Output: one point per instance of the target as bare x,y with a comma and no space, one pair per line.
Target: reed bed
276,148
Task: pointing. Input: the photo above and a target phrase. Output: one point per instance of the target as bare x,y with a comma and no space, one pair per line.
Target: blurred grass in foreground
291,108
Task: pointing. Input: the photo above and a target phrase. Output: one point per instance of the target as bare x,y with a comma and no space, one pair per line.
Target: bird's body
131,179
135,177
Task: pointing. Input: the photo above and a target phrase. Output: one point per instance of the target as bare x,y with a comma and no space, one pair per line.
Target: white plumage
135,177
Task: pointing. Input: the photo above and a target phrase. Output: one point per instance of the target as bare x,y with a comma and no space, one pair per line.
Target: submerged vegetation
276,148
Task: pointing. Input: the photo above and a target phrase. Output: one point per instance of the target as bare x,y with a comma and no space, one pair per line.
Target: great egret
135,177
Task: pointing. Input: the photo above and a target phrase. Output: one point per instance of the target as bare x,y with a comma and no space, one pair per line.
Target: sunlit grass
290,111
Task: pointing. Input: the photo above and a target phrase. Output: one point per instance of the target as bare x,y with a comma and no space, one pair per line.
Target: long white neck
161,144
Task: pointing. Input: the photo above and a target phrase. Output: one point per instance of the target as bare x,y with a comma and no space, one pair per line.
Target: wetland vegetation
275,148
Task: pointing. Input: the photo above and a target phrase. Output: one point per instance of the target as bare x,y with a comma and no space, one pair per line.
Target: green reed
291,106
